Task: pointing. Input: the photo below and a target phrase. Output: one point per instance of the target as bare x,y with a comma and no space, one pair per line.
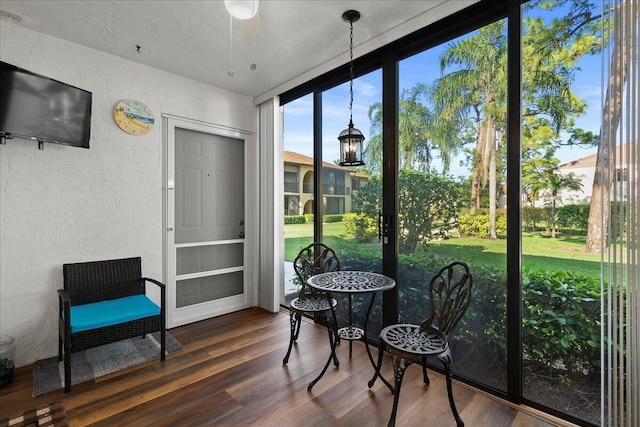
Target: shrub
575,217
332,218
294,219
308,218
361,227
426,200
561,320
561,315
534,218
477,225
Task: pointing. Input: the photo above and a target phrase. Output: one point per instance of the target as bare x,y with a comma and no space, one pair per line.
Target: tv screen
37,107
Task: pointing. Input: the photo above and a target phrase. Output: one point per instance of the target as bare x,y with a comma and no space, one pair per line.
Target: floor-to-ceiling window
473,179
350,214
560,279
452,105
298,187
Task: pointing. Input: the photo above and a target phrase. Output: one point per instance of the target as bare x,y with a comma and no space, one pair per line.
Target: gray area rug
48,374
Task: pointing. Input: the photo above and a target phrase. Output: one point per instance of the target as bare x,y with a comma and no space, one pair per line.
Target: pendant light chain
351,139
351,71
231,71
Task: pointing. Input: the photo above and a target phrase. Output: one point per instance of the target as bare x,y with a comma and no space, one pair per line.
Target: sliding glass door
560,277
452,104
467,124
352,196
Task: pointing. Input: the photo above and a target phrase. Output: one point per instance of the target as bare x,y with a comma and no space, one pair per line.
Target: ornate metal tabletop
351,282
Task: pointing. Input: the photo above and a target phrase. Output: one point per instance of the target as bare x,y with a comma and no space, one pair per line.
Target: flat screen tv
39,108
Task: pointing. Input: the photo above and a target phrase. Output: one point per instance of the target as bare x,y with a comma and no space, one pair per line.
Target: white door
205,223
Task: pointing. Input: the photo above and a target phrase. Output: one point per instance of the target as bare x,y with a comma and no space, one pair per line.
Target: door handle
241,235
383,227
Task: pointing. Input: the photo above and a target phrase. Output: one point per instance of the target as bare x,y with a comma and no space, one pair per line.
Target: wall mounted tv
39,108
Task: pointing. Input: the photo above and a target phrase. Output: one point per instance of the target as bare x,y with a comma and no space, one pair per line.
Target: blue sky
421,68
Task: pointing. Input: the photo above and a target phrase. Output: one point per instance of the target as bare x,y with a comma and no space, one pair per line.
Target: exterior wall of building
571,197
337,191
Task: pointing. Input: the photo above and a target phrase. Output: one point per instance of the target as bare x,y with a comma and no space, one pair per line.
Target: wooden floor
231,374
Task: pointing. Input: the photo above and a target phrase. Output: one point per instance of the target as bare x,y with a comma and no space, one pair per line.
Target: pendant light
351,139
242,9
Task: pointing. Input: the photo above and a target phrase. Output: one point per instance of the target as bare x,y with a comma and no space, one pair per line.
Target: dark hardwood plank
231,374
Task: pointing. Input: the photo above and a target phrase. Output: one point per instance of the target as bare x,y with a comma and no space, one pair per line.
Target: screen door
207,252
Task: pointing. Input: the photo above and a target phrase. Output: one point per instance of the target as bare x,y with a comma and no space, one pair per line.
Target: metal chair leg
376,374
425,377
296,332
295,329
399,366
447,370
332,356
336,338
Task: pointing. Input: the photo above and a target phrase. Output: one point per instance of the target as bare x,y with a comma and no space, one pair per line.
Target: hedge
561,312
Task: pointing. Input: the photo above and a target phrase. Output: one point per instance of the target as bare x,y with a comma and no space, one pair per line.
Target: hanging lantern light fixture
351,139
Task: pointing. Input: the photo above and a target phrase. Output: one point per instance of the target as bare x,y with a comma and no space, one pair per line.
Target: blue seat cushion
111,312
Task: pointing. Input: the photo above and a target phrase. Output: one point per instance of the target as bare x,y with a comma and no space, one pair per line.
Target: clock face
133,117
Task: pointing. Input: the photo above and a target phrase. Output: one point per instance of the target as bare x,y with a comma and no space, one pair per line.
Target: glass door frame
387,58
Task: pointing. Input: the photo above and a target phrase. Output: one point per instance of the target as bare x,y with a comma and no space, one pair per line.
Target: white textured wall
68,204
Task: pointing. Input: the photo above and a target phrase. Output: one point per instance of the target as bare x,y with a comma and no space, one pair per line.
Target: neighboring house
584,169
338,184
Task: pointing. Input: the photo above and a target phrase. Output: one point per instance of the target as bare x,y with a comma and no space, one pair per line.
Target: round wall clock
133,117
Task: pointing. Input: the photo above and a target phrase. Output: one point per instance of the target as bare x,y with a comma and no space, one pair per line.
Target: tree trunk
476,175
553,215
599,212
493,188
475,171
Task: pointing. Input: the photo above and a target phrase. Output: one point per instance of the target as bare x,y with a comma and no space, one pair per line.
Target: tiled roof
297,158
590,161
582,162
301,159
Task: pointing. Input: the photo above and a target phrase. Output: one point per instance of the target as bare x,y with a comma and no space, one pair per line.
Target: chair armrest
162,290
160,284
64,310
63,296
65,302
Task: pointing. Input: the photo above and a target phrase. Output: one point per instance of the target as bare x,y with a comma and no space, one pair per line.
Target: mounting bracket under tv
3,141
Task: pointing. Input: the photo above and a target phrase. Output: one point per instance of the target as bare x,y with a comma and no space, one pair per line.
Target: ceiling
289,41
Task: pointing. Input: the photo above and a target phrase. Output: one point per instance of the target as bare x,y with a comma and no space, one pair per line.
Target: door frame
169,125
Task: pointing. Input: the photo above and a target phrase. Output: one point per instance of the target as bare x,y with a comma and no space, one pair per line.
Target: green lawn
538,250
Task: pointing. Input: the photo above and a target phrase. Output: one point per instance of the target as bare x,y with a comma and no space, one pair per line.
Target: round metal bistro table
350,283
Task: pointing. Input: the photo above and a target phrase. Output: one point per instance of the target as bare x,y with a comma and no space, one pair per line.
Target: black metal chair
314,259
450,296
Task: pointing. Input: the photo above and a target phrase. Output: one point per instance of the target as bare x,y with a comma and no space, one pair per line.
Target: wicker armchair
87,285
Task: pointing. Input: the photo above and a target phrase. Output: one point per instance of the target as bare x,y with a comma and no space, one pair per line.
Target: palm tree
476,88
555,182
420,133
